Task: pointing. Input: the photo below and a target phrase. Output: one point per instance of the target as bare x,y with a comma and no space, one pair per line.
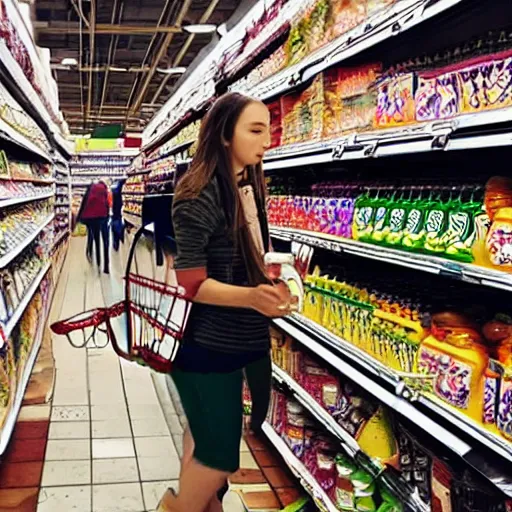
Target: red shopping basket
146,327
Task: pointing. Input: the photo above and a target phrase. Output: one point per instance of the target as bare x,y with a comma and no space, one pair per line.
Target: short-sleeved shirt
204,240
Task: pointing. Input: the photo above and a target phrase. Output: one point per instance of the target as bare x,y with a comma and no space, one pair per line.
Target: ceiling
137,36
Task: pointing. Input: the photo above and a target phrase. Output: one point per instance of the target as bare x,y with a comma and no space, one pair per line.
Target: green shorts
214,410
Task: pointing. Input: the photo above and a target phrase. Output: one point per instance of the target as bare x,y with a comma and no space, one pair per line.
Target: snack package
395,101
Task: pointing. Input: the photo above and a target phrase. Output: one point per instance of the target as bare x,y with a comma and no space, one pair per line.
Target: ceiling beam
184,49
161,52
72,28
164,19
92,56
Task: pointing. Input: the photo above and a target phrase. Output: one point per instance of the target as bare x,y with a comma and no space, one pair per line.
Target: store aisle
109,446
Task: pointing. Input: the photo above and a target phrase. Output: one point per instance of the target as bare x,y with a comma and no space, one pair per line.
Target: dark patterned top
204,240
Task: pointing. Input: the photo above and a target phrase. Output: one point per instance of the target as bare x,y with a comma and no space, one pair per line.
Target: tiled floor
110,438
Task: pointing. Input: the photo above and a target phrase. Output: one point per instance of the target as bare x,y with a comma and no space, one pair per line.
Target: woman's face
251,137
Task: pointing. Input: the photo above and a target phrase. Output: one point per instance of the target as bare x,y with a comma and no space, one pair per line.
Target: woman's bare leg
187,460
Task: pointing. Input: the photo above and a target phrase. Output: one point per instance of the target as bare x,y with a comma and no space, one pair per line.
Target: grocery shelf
468,439
467,272
77,165
10,134
300,471
25,199
383,25
175,149
25,87
417,138
61,237
12,415
5,260
30,292
307,401
29,179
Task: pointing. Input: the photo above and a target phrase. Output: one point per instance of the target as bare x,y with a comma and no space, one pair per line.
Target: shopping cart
147,326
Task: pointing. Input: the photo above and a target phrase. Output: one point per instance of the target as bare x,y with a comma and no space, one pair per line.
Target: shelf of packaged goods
132,219
82,165
468,439
20,200
172,151
61,204
29,293
123,153
29,179
306,479
7,258
323,416
11,135
383,25
12,416
61,237
467,272
448,135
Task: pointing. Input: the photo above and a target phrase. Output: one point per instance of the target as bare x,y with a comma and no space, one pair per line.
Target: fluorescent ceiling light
200,28
115,68
69,61
172,71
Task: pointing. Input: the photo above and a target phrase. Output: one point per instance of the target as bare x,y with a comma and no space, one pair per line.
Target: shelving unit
391,389
423,262
299,470
4,260
391,128
33,138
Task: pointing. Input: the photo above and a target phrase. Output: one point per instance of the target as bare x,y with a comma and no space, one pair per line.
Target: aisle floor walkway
110,443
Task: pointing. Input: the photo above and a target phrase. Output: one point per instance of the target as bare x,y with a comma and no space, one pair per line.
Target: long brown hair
212,159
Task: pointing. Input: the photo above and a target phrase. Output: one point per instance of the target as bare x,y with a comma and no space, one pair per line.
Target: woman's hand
271,301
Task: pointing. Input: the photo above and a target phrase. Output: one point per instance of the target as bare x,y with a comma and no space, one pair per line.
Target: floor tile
109,412
154,468
25,450
247,461
153,492
155,447
266,459
112,448
243,446
68,449
247,476
150,427
19,500
102,398
261,501
21,474
69,430
111,471
57,499
144,411
31,430
63,413
34,413
278,477
233,503
108,429
66,472
117,498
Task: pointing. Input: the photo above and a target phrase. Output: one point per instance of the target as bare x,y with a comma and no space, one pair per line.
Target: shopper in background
94,213
221,231
117,217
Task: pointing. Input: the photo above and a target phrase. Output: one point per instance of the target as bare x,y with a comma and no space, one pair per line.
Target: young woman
221,231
